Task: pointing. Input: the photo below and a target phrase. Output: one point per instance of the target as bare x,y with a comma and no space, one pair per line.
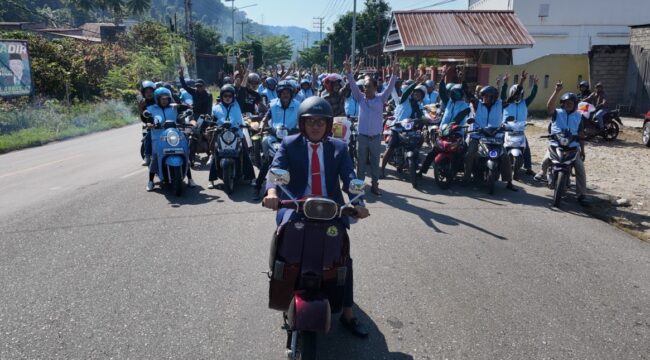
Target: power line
319,25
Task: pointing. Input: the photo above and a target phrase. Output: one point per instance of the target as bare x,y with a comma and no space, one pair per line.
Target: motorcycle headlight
408,126
493,154
564,141
228,137
320,209
173,139
276,146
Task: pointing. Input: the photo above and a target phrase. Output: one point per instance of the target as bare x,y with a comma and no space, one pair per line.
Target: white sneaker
191,183
150,186
144,162
209,163
211,185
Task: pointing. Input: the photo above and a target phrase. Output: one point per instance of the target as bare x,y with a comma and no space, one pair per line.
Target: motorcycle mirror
146,114
510,119
357,186
279,176
470,121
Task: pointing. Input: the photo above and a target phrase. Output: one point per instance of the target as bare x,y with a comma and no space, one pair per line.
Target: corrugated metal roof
455,30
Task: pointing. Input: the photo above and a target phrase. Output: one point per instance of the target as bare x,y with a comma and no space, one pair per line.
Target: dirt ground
616,170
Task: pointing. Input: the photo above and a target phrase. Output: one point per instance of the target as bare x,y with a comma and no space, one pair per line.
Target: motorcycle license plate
173,151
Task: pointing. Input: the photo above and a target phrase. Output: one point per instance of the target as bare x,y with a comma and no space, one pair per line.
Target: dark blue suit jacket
293,156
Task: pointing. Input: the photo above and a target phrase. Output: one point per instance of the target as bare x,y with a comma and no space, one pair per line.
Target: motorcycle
345,129
450,154
170,149
490,153
254,138
200,138
275,136
515,145
611,123
228,155
407,154
308,266
430,132
646,130
563,156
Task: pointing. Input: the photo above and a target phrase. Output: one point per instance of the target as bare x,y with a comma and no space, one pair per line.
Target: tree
312,56
207,40
372,23
117,8
276,49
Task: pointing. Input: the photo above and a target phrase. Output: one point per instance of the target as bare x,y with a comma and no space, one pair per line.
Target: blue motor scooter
170,154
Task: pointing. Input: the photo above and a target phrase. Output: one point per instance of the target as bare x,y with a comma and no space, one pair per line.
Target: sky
302,12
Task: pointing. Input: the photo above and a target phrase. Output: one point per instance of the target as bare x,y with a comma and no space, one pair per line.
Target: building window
546,78
516,79
544,10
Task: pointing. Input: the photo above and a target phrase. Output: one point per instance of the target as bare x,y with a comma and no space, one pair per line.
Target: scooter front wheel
229,179
560,185
308,345
413,172
491,180
611,130
177,180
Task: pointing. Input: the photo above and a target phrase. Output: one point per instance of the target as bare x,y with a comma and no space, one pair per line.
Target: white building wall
572,26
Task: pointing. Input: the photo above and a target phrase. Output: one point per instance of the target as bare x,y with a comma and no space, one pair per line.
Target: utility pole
233,20
242,27
318,24
189,31
354,32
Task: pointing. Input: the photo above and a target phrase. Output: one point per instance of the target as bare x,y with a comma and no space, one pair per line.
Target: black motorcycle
490,154
564,153
407,154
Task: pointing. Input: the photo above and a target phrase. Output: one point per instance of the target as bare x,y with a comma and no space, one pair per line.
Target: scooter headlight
173,139
493,154
228,137
564,141
276,146
320,209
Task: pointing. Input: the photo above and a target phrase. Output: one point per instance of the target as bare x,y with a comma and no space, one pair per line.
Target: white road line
38,166
133,173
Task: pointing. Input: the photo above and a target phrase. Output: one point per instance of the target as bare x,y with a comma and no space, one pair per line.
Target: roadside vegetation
27,126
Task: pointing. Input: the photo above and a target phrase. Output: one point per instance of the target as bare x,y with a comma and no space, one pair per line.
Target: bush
36,125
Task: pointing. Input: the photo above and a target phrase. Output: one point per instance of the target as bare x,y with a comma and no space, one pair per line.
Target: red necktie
316,187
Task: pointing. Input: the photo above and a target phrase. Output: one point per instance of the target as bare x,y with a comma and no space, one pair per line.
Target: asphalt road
94,267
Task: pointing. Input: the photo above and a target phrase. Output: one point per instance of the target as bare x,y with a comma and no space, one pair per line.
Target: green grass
34,126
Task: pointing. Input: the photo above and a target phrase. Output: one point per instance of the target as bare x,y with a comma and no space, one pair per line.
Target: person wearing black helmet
316,163
145,100
201,97
228,110
584,90
488,114
567,118
247,96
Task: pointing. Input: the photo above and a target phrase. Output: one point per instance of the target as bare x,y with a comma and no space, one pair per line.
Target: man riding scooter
282,114
599,100
145,100
316,163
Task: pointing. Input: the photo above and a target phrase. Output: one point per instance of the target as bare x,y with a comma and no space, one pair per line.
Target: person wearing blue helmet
164,110
432,95
145,100
283,111
269,94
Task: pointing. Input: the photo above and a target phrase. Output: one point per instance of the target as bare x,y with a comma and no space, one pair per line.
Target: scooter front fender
226,162
309,314
516,152
492,164
410,154
174,160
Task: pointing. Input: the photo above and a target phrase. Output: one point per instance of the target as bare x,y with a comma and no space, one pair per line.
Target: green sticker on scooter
332,231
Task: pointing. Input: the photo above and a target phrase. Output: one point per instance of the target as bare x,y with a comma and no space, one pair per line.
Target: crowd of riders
373,101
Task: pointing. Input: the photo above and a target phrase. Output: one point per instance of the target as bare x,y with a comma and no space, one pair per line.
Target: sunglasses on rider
316,122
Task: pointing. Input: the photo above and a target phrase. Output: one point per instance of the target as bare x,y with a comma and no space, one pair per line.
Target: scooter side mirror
470,121
356,186
146,114
279,177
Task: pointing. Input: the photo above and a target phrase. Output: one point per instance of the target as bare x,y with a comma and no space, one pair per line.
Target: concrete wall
637,89
608,65
572,26
550,69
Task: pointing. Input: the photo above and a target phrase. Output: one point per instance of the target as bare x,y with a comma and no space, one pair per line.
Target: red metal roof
456,30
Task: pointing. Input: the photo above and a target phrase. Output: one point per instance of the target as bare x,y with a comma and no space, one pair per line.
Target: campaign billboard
15,69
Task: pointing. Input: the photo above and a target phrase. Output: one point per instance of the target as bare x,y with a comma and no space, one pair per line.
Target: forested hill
214,13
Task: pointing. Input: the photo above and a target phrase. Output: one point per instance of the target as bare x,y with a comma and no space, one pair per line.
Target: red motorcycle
308,266
450,154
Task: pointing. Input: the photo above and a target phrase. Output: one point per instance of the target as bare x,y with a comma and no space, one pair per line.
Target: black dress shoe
355,327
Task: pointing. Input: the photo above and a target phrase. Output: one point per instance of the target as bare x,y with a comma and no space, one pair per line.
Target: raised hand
347,66
559,85
535,79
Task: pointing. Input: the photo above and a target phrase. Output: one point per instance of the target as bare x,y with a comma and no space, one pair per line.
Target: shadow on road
430,218
190,196
340,344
